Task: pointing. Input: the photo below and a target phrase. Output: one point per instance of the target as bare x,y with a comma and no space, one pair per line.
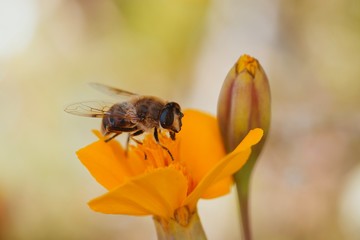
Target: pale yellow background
306,184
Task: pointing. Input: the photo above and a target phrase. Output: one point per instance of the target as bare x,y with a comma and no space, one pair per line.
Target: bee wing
111,90
96,109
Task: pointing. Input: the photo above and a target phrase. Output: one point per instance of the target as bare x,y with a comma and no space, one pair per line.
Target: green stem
242,178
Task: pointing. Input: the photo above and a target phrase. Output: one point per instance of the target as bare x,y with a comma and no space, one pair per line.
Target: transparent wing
111,90
96,109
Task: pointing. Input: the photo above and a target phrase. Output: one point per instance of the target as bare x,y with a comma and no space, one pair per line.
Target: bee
136,115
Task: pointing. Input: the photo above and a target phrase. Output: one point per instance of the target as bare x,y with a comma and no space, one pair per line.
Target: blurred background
306,184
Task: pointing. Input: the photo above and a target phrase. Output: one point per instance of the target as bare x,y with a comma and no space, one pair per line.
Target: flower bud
244,102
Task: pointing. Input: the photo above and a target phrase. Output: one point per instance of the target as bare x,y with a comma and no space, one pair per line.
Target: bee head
170,117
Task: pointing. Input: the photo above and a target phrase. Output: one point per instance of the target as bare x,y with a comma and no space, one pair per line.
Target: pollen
155,156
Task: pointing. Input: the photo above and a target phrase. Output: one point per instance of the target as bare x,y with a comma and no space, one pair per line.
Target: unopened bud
244,102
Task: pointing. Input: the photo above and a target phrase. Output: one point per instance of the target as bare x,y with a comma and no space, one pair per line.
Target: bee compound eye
166,118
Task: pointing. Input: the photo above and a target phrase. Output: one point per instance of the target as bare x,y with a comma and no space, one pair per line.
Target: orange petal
200,143
132,164
107,162
158,193
226,167
252,138
103,164
218,189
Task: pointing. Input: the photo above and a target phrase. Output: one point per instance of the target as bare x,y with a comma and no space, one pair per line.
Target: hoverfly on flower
135,116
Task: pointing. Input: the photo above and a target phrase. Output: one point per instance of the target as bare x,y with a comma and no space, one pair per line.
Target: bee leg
127,145
112,137
172,136
156,136
131,136
136,134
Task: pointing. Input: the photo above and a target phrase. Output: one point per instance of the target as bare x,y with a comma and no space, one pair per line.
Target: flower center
155,156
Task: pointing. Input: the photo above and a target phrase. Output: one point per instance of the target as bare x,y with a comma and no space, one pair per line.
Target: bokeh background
306,184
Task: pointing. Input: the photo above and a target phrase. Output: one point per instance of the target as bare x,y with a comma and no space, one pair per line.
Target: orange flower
157,185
